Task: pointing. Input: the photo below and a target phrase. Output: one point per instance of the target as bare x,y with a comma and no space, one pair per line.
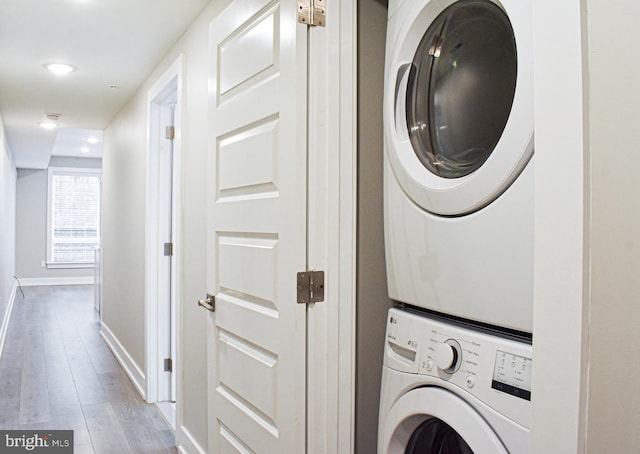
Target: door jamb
173,75
332,195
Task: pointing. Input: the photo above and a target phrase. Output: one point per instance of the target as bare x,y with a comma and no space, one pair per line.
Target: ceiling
113,44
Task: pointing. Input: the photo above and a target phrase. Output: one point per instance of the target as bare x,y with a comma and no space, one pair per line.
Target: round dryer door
459,125
432,420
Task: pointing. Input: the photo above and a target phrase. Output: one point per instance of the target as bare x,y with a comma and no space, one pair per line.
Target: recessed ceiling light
85,149
92,140
59,68
48,125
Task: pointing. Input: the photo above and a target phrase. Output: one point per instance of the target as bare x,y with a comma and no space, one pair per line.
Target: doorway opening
163,241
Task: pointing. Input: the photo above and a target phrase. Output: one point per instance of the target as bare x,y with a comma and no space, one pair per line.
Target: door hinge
170,132
168,365
310,287
168,249
312,12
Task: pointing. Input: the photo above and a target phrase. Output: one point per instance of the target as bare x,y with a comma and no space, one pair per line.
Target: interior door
257,228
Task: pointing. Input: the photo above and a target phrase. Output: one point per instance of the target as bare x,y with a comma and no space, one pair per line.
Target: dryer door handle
400,101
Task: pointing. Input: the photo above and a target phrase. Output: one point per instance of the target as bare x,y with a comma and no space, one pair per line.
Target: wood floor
57,373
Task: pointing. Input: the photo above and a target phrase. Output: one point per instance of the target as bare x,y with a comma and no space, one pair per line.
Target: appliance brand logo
29,441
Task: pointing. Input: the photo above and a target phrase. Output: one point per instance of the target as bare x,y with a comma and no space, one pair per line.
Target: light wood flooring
57,373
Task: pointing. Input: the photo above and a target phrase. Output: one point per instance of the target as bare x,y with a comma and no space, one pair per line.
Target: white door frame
170,85
332,230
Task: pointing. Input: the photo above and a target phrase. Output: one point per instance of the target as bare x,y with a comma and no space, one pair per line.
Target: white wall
7,223
614,139
561,229
123,227
124,183
586,337
31,222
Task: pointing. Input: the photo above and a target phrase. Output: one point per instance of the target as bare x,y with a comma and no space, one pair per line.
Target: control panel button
470,381
429,366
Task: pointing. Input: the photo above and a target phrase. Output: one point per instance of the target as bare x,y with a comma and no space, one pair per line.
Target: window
73,216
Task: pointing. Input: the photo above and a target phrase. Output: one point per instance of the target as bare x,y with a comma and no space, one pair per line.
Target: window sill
70,265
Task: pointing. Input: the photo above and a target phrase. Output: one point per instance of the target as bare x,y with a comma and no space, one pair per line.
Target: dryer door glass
434,436
461,87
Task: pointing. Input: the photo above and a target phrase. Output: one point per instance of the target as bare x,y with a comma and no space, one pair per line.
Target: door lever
209,303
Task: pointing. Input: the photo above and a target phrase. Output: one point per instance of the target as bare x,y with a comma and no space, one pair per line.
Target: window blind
74,217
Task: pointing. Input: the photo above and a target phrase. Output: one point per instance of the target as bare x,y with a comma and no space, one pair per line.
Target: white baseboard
7,316
36,281
126,361
186,443
168,412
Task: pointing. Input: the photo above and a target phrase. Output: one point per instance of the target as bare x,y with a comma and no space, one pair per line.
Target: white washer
449,388
458,161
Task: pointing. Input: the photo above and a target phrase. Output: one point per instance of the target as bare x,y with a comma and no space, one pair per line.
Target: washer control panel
494,369
512,374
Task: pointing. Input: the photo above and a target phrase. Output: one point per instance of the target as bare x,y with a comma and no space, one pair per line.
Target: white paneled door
257,228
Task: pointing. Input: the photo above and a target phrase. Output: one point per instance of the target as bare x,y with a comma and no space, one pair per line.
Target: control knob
448,356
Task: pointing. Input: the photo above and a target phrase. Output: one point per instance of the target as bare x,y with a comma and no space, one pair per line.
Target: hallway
57,373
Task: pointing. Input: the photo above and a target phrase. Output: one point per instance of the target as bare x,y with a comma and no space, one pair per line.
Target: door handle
209,303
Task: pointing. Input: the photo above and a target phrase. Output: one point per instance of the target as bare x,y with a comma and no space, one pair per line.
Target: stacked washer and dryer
458,188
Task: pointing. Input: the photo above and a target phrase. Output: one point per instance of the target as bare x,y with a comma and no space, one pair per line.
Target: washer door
432,420
460,122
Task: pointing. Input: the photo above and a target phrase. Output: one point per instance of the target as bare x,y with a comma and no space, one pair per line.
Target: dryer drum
461,87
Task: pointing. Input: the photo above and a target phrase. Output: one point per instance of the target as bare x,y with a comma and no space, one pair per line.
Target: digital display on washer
512,375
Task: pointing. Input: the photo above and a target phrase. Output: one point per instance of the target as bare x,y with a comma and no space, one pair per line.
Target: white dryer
452,389
458,172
